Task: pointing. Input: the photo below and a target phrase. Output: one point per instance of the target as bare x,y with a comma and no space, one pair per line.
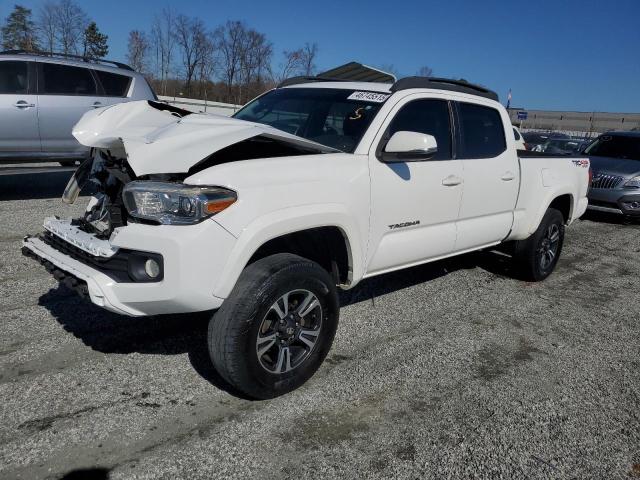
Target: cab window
481,130
426,116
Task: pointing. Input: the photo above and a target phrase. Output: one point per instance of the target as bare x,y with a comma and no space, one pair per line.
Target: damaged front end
107,176
124,251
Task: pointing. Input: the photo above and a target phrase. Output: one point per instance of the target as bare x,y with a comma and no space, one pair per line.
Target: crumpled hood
163,141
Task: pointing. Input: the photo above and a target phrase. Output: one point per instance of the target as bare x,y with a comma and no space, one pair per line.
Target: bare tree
191,36
207,64
255,63
47,25
71,22
309,52
164,41
229,40
255,57
138,50
291,65
424,71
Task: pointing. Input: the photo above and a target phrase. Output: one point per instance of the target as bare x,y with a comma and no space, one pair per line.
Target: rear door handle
23,104
508,176
451,181
96,105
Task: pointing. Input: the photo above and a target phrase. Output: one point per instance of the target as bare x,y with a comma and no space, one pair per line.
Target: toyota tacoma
310,188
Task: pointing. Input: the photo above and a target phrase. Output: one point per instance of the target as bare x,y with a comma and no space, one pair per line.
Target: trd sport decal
581,163
404,225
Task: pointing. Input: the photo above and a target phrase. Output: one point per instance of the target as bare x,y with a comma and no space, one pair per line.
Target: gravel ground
451,370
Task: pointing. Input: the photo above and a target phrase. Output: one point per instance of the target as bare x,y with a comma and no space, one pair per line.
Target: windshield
336,118
616,146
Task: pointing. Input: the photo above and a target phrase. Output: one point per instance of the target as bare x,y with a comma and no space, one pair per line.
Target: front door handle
23,104
508,176
451,181
96,105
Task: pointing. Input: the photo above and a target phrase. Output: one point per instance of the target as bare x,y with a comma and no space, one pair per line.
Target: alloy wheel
289,331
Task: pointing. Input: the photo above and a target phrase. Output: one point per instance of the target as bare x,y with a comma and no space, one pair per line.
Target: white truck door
491,175
18,109
414,205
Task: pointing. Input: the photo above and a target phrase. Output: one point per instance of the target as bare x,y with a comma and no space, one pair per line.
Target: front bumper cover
191,269
618,201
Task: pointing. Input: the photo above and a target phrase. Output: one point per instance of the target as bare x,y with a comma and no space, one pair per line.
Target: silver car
43,96
615,162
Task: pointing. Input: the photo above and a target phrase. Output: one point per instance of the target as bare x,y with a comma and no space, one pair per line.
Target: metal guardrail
197,105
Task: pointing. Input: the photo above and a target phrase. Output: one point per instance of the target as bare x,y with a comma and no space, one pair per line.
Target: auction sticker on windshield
369,96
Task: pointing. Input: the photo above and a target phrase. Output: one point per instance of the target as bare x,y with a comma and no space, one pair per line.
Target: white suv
312,187
42,97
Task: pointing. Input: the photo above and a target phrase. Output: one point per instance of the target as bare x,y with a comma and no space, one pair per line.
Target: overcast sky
554,54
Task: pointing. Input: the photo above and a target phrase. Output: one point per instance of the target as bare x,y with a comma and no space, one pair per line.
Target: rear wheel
277,326
536,257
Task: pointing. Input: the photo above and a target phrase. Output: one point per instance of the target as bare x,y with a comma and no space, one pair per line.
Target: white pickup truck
311,187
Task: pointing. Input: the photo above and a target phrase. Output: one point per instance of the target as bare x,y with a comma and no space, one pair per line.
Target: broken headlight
175,203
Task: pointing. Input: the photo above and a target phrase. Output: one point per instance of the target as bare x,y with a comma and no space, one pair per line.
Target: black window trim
101,89
460,144
40,71
453,135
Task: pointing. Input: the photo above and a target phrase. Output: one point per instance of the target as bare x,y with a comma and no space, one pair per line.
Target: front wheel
277,326
536,257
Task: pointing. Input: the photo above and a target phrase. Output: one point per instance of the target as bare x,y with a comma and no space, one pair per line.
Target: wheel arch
563,203
327,245
561,199
326,235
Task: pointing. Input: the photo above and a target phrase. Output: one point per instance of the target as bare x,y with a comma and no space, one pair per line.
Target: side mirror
406,146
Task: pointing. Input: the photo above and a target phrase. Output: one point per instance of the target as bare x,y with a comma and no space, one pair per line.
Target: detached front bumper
615,200
193,257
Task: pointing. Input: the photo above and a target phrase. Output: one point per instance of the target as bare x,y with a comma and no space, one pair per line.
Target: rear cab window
113,84
481,130
59,79
13,77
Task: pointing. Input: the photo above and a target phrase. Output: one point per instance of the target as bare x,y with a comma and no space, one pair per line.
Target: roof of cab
428,83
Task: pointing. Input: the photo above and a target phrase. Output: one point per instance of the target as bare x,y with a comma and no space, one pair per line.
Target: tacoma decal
404,225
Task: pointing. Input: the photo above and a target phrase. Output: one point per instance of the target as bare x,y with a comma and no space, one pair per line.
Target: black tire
532,256
234,329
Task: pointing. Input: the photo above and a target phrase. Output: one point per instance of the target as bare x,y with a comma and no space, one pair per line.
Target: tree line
178,54
230,63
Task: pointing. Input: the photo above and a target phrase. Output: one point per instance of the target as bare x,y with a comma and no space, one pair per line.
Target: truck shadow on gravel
110,333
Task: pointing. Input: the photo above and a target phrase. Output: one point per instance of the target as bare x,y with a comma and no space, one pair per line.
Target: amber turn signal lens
215,206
